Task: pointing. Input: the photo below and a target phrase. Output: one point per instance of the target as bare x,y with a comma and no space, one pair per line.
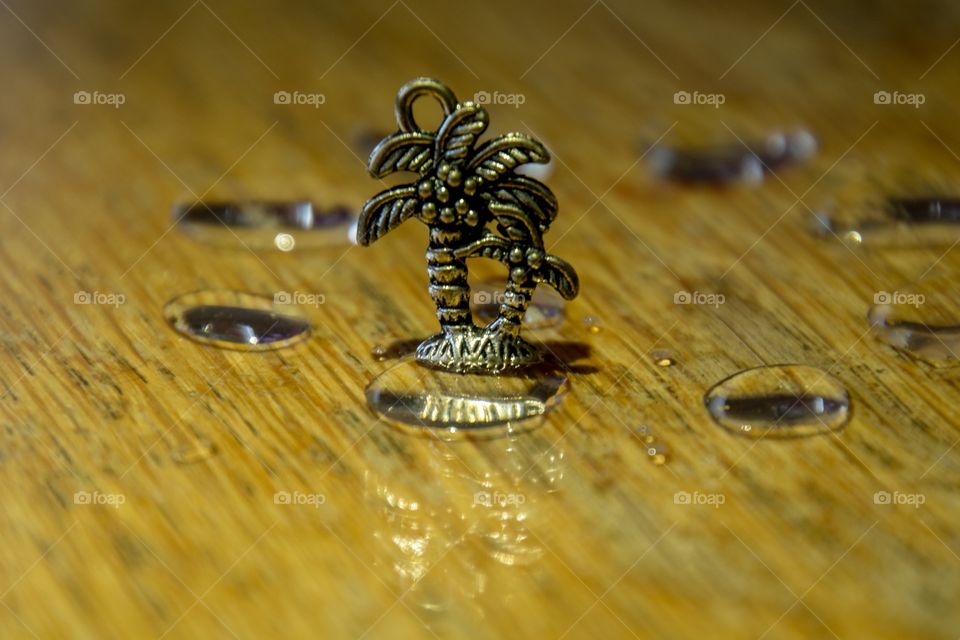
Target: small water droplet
284,242
592,323
663,358
193,452
411,395
919,330
781,401
235,320
658,453
546,308
264,224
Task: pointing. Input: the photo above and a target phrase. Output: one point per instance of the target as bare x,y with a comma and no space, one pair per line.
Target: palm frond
516,223
500,155
525,193
560,275
411,151
488,246
459,132
385,212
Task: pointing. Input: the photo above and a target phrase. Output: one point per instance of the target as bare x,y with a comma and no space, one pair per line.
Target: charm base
471,349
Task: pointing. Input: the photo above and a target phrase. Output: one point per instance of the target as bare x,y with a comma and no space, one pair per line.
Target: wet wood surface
141,470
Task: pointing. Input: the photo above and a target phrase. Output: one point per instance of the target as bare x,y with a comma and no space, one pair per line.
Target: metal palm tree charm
474,206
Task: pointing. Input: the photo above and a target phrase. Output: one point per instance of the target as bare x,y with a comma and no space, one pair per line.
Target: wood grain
196,441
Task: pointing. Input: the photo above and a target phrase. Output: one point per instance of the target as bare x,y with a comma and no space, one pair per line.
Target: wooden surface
196,441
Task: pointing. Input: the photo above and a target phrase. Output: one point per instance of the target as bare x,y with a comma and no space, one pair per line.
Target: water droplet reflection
780,401
410,395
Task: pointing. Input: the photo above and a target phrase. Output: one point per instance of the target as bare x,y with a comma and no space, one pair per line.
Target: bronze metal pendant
475,206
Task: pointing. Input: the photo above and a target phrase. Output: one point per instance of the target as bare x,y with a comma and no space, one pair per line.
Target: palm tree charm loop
475,206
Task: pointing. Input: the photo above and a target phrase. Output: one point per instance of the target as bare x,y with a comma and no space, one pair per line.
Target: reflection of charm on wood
474,205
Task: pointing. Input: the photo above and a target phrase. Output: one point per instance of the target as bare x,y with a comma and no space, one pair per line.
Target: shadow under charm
475,206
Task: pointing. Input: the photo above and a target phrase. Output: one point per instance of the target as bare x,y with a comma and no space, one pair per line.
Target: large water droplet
236,320
264,224
780,401
411,395
546,306
733,162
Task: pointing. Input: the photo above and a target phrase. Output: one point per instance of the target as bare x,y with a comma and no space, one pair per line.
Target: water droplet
264,224
235,320
546,307
897,222
193,452
592,323
284,242
733,162
918,330
658,453
411,395
663,358
780,401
